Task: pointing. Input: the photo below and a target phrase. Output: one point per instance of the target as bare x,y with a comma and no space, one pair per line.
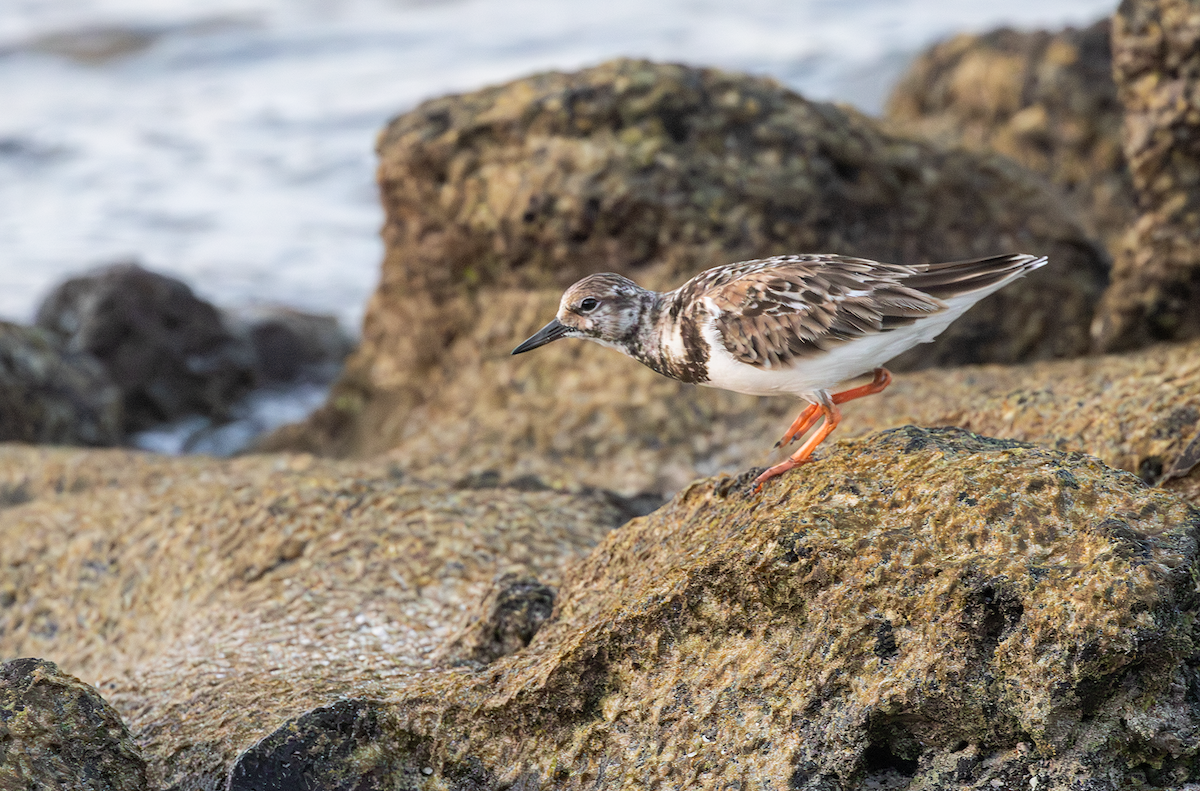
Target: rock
51,396
926,608
291,345
213,599
922,607
498,199
166,349
1155,293
510,615
1047,100
57,732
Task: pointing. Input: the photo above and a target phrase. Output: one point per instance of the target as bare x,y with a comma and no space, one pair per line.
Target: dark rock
291,345
57,732
166,349
1155,293
1048,100
52,396
497,199
511,614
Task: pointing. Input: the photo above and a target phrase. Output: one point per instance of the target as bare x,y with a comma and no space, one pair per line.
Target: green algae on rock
923,609
58,733
497,199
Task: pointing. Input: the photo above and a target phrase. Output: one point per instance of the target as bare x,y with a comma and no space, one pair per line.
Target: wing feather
772,311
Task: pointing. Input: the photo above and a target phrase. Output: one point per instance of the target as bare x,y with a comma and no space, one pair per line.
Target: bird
794,325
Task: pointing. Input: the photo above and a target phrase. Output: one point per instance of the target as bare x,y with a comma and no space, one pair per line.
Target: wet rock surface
211,600
1155,294
923,608
498,199
57,732
1046,99
50,395
166,349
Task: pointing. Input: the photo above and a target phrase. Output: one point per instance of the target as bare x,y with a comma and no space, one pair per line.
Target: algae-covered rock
926,608
58,733
211,600
1046,99
1155,294
922,609
51,395
498,199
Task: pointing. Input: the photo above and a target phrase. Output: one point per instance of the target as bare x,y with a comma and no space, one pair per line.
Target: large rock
498,199
210,600
57,732
49,395
1048,100
1155,294
921,608
166,349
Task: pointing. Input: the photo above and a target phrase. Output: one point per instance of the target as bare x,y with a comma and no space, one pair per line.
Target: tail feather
958,278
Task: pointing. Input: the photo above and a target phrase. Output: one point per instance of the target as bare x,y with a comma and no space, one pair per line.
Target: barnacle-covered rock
923,609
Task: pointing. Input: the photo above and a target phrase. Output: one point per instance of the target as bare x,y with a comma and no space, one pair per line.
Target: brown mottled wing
776,310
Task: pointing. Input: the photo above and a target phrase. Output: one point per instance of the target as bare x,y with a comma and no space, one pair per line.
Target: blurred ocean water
230,142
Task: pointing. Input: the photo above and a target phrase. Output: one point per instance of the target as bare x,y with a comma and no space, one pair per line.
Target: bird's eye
589,304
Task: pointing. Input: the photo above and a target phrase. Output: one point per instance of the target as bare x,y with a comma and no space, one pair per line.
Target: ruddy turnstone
793,324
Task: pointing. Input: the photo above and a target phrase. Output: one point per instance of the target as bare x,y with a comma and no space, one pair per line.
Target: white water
236,150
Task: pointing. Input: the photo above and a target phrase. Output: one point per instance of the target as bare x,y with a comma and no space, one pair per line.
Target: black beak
551,332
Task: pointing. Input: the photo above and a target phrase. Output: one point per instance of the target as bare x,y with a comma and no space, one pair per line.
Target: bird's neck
664,337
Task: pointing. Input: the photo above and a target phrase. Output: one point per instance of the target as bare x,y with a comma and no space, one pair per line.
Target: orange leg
832,416
811,414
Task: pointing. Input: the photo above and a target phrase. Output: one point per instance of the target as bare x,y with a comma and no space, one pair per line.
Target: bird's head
605,308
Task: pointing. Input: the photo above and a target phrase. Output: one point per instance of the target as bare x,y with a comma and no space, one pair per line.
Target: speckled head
605,308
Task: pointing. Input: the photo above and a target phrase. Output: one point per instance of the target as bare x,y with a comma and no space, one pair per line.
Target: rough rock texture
289,344
210,600
922,608
52,396
498,199
1155,293
58,733
1048,100
166,349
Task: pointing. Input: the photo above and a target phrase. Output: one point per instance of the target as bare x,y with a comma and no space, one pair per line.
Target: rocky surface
166,349
58,733
52,396
210,600
921,608
1155,292
1048,100
498,199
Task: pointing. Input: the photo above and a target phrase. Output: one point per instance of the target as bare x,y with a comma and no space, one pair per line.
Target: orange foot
811,414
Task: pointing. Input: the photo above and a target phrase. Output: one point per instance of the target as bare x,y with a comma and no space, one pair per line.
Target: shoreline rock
920,606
